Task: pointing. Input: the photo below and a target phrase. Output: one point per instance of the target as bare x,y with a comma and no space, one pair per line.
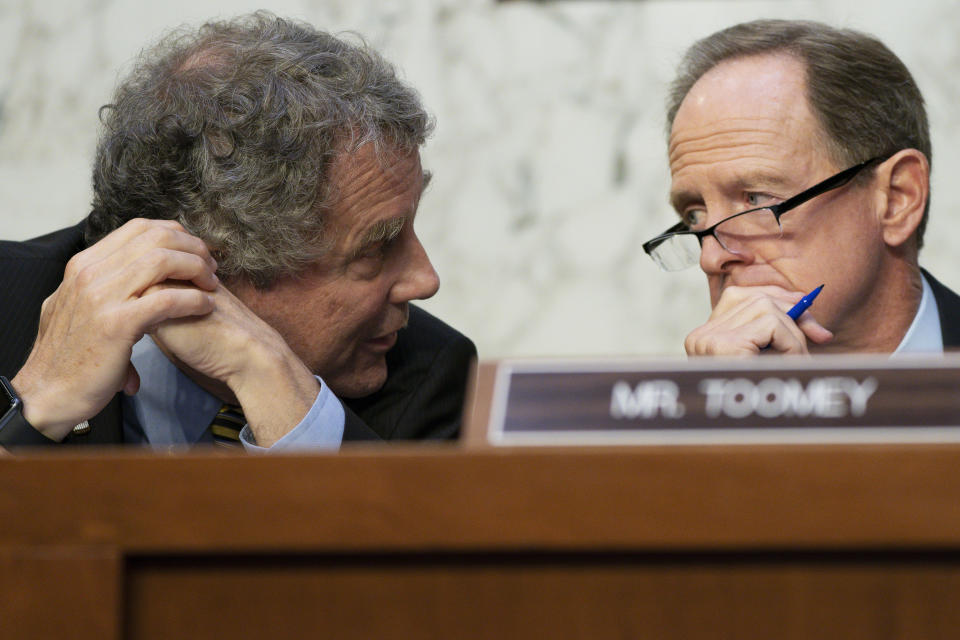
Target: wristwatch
14,429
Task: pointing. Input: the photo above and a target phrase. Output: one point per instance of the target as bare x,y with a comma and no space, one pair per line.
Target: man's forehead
766,88
372,193
751,111
725,140
755,84
369,167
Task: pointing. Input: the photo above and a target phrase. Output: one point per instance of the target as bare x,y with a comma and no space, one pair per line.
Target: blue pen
797,310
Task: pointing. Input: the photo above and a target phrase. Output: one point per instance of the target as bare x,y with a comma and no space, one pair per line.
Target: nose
715,258
418,279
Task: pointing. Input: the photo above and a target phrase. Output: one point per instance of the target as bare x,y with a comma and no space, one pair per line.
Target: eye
368,263
373,252
755,200
378,250
694,218
371,260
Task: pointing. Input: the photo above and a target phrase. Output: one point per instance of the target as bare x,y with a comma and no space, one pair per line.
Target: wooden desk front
436,542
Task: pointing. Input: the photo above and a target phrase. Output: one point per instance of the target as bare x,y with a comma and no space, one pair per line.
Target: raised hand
231,351
747,320
107,302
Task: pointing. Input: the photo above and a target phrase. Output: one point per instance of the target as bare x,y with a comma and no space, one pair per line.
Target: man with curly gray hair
251,242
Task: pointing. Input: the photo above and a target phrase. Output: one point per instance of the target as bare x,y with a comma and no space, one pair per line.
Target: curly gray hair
231,130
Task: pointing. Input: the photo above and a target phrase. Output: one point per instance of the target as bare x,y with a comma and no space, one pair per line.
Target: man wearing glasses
800,156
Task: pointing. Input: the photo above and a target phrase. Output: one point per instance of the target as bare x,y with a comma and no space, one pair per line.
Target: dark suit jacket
948,306
427,368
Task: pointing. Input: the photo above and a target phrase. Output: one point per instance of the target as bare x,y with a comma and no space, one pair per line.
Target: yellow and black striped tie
226,426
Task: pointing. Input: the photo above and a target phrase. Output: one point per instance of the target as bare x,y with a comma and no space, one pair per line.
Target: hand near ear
104,305
233,352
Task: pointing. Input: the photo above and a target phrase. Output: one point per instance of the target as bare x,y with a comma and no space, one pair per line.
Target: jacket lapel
948,308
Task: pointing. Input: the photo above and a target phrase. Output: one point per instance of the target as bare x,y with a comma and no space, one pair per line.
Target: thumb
132,382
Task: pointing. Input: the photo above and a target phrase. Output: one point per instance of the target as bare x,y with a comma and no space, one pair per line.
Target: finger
108,294
176,238
116,253
751,307
127,231
767,333
742,340
785,336
718,347
814,331
734,296
805,327
167,303
104,281
159,265
121,237
132,382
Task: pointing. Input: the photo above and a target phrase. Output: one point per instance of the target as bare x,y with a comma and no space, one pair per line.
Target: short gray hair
231,130
864,97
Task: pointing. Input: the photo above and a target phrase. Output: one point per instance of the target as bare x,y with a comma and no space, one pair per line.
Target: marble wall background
549,156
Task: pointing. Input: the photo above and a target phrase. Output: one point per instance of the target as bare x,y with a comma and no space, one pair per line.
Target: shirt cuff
321,428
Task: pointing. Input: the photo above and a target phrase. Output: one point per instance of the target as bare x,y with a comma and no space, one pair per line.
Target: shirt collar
924,334
170,408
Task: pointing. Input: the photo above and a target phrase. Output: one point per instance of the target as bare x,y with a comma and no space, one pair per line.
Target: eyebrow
680,199
380,231
746,182
385,230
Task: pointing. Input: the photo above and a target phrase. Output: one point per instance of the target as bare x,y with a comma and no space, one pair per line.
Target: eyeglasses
679,246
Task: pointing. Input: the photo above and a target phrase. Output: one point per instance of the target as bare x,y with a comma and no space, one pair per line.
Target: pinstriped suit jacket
427,368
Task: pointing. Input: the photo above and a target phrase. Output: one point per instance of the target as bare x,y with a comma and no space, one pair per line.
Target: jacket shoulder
57,246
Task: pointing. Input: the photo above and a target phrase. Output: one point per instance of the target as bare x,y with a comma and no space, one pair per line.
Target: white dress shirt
924,334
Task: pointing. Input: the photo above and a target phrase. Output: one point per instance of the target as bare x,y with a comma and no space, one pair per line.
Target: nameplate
824,399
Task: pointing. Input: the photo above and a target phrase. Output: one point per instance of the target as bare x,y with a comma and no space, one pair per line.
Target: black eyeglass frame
833,182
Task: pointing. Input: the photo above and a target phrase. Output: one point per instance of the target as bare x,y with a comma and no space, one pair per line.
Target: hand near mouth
748,320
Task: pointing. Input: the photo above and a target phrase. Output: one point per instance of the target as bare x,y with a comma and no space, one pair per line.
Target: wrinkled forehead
753,106
395,164
374,196
359,174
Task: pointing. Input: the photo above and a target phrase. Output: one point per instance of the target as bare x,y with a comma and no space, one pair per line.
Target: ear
905,182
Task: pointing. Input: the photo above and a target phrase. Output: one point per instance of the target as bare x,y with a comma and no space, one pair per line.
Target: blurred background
549,156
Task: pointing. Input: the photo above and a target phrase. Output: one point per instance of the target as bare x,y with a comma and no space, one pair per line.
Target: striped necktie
226,426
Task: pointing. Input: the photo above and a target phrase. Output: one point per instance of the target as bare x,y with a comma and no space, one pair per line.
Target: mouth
383,343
